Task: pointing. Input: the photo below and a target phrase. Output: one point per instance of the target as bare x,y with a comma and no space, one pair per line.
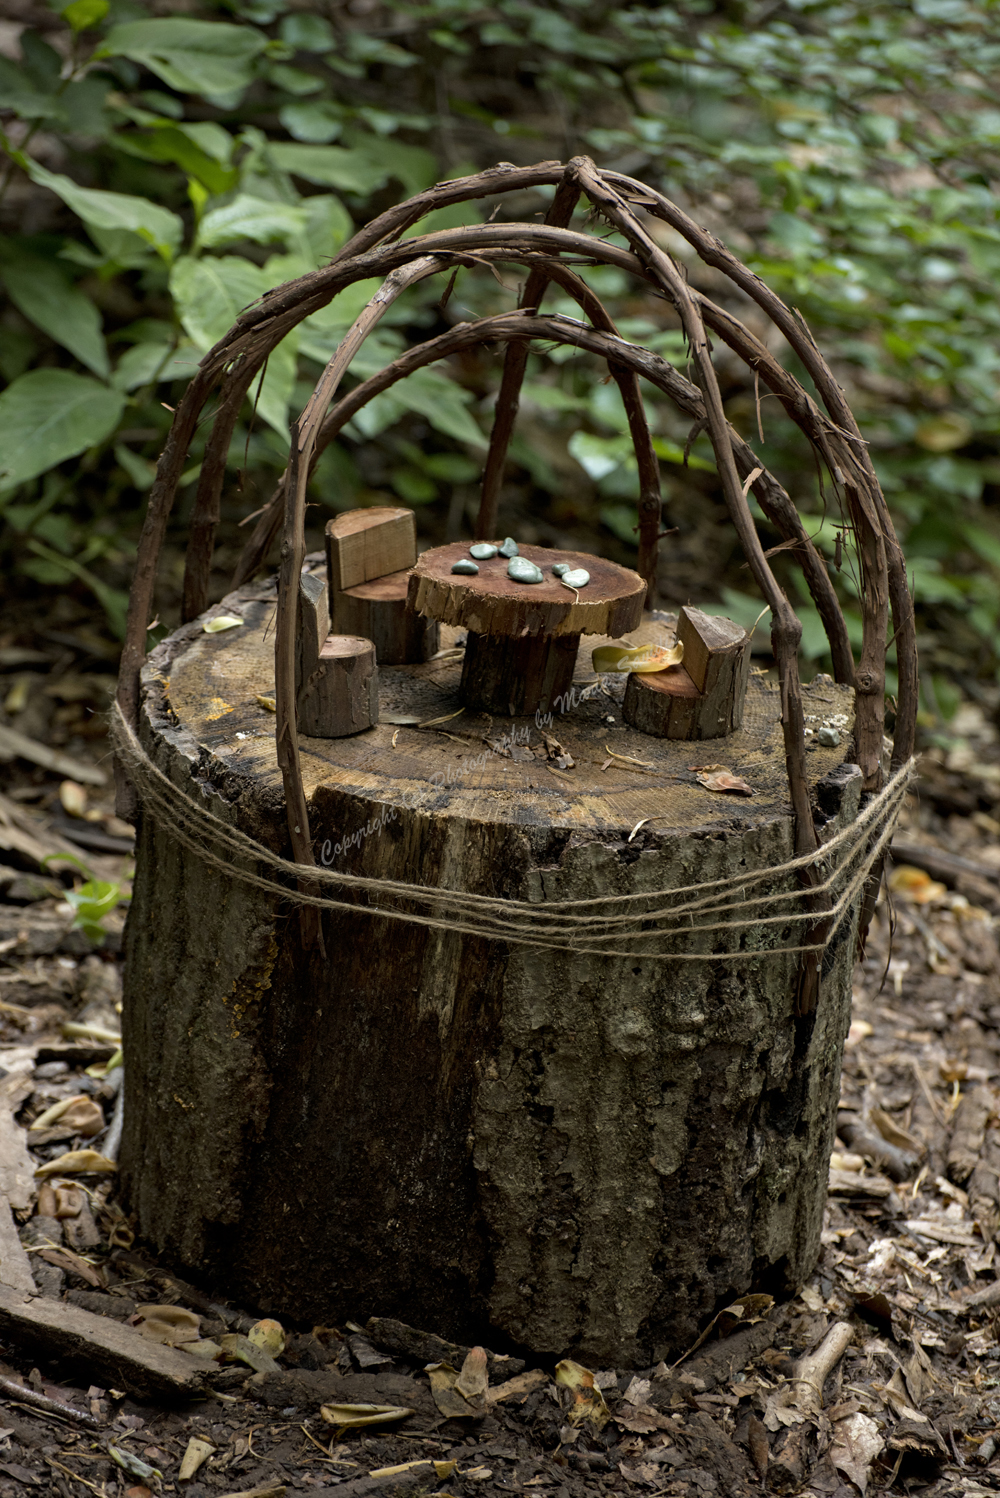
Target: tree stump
702,698
576,1153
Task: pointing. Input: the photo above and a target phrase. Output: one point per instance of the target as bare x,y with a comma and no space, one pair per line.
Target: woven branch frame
549,251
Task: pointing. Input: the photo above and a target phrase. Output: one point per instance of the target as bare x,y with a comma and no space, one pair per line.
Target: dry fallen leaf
73,798
355,1416
76,1162
268,1335
441,1470
168,1325
640,659
520,1385
855,1445
915,884
220,622
718,778
473,1380
452,1403
588,1403
197,1453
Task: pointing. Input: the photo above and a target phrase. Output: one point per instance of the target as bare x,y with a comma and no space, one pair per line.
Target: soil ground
909,1251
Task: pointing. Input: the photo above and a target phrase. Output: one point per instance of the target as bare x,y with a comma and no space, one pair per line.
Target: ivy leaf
194,57
49,415
43,294
113,211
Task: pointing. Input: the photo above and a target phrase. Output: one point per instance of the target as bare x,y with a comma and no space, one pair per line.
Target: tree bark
583,1154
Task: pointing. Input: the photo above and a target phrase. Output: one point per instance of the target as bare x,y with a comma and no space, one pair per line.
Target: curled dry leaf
855,1445
915,884
237,1348
197,1453
449,1400
355,1416
441,1470
718,778
516,1387
641,1419
73,798
54,1114
473,1380
168,1325
588,1401
268,1335
640,659
76,1162
220,622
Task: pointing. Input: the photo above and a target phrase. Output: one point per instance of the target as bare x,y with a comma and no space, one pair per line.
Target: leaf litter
881,1375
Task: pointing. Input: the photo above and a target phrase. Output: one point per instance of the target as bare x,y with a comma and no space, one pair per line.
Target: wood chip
17,744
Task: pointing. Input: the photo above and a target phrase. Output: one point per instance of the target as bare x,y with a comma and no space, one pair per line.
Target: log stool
336,678
702,698
523,638
369,556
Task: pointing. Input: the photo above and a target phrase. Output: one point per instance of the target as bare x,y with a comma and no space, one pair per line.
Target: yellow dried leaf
197,1453
588,1403
220,622
473,1380
916,884
76,1162
641,659
52,1115
449,1401
268,1335
73,798
168,1325
355,1416
269,704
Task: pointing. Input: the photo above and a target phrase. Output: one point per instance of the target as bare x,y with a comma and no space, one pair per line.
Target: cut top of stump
491,603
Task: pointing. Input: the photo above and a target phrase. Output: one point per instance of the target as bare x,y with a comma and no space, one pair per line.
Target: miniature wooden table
523,637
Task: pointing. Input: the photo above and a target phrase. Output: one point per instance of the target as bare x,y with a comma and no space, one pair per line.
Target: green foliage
92,901
847,149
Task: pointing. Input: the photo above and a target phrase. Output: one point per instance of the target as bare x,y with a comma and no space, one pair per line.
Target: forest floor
904,1300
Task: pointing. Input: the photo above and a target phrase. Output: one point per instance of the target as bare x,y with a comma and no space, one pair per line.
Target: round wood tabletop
491,603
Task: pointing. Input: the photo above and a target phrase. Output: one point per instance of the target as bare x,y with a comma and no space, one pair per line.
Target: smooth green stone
523,571
483,550
509,547
467,569
560,568
578,578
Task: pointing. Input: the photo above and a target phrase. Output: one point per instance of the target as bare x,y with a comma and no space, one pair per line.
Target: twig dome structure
563,923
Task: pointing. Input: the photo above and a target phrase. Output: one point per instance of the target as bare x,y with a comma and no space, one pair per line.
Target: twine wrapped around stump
549,251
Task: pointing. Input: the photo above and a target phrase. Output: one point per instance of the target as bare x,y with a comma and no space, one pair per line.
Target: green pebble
467,569
578,578
523,571
483,550
509,547
560,568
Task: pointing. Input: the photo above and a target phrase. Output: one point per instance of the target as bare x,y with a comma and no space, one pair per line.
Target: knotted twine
603,926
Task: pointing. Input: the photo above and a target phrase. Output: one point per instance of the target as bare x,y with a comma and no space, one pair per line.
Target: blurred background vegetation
163,164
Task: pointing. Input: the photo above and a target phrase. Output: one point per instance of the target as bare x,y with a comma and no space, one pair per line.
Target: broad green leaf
328,226
210,294
307,33
82,14
140,365
171,142
432,395
139,469
20,94
316,123
599,456
40,291
49,415
360,171
194,57
114,211
247,217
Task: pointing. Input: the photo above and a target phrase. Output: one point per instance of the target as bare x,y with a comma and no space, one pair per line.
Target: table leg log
519,676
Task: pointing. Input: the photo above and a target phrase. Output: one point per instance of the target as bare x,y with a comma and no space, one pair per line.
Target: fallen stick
17,744
114,1355
813,1370
24,1394
950,869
